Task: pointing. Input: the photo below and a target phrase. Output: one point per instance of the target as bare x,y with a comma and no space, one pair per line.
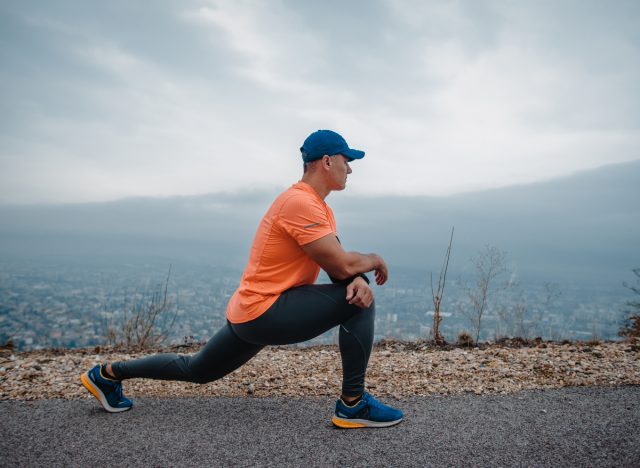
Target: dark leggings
298,315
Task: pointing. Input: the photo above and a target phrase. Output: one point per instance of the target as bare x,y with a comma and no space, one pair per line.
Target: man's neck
317,184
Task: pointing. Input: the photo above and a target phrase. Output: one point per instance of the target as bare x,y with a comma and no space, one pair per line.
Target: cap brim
353,154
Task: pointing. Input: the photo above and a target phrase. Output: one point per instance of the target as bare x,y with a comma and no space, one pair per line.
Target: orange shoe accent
89,386
344,424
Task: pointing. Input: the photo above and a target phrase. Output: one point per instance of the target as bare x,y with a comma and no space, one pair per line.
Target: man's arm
339,264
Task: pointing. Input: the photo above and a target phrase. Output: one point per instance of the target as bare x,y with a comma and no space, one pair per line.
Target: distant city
72,303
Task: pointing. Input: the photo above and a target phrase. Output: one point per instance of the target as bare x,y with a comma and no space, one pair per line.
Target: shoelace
372,401
117,389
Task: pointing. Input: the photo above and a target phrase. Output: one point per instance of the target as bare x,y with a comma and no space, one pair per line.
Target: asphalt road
568,427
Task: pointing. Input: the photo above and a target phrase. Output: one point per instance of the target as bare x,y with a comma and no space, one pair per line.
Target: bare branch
446,267
433,296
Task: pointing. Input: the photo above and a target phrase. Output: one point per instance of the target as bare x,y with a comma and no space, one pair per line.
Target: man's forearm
356,263
341,265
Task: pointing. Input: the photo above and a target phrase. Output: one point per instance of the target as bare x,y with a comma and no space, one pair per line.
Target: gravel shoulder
396,369
597,426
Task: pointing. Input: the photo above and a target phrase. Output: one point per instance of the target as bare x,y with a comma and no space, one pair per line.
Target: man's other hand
381,272
359,293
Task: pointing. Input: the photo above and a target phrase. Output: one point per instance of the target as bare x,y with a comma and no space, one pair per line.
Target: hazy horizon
265,194
585,226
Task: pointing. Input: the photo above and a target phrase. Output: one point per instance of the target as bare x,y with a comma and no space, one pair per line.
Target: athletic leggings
299,314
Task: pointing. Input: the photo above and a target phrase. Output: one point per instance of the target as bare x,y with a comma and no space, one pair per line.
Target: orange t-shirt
276,261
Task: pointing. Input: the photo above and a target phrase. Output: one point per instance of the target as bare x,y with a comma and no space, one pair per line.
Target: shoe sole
361,423
96,392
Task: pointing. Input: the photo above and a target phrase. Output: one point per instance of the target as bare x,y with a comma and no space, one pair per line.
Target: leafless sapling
437,296
490,263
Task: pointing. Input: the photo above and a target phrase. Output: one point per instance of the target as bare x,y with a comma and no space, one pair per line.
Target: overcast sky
104,100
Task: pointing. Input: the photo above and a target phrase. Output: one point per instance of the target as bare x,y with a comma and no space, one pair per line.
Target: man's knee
189,370
364,313
372,308
194,372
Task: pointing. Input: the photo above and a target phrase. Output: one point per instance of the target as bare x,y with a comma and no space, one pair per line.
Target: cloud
218,95
512,108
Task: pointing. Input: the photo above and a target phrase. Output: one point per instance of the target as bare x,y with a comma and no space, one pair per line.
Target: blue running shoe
368,412
107,391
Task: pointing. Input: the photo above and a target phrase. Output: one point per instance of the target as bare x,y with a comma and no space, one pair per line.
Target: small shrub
631,328
8,345
146,325
465,339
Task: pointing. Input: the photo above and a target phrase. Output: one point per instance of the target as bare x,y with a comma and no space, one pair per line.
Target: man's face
340,169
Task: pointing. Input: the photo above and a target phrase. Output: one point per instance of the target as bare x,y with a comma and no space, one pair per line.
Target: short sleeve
305,219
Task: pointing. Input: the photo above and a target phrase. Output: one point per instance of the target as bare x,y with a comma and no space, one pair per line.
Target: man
277,301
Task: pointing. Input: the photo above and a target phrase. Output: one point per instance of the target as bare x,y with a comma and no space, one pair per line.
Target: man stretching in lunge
277,301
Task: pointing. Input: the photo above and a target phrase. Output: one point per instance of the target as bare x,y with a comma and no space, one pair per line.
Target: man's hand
381,271
359,293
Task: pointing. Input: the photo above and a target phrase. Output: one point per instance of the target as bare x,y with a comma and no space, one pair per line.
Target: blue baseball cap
327,142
